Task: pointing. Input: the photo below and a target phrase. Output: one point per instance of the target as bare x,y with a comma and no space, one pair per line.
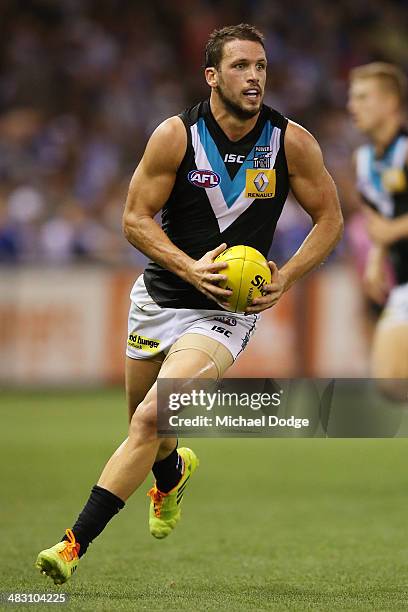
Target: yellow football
247,273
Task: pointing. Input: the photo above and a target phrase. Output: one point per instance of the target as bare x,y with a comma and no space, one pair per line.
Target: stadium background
82,85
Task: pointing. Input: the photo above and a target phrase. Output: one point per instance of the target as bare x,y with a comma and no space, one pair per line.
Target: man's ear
393,102
211,76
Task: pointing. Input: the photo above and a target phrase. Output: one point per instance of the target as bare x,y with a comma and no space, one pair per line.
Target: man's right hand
205,275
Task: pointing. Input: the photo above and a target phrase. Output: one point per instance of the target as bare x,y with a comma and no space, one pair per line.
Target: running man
200,169
377,105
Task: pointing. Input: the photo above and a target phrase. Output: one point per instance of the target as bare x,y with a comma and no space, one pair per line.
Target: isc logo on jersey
207,179
260,183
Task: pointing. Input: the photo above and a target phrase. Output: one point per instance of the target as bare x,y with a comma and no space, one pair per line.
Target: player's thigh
196,356
187,362
389,357
141,375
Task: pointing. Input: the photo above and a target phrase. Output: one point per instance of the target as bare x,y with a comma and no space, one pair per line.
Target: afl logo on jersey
204,178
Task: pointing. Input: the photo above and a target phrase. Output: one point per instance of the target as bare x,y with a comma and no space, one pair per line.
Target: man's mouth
253,93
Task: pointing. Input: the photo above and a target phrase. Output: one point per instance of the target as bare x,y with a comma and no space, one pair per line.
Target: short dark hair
218,38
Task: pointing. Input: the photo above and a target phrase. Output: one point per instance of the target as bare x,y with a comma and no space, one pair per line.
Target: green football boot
164,512
60,561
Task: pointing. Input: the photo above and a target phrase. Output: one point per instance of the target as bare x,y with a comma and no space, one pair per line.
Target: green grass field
301,524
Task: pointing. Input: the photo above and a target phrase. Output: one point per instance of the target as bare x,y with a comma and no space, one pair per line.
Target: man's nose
253,74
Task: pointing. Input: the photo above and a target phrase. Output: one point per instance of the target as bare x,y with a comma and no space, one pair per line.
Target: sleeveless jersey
383,184
224,191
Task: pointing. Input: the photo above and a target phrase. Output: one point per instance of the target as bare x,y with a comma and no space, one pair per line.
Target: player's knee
144,420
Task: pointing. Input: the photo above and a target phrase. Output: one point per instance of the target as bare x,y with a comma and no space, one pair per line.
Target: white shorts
396,308
153,329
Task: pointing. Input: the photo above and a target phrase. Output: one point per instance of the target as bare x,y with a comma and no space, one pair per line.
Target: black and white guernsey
225,191
383,183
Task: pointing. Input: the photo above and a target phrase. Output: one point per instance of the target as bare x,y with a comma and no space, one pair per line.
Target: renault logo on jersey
260,184
261,181
204,178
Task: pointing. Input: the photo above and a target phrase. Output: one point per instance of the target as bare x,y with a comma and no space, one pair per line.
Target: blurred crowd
83,84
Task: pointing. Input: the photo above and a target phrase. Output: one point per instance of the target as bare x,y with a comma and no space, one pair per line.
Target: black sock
168,471
100,508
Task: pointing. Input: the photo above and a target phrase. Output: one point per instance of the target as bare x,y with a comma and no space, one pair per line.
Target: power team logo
207,179
260,183
262,158
142,343
261,180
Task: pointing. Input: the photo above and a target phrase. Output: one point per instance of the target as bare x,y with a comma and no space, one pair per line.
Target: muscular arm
149,190
314,189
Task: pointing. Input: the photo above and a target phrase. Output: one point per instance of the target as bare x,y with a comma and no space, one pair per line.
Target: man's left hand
273,292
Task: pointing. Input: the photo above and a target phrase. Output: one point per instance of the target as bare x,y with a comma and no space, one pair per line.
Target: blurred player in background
202,168
377,98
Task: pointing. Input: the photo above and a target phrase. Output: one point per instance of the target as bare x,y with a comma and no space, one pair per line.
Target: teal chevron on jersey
231,188
377,168
375,174
370,172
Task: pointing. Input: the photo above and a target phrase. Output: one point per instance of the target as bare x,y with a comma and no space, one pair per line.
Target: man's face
369,104
241,76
